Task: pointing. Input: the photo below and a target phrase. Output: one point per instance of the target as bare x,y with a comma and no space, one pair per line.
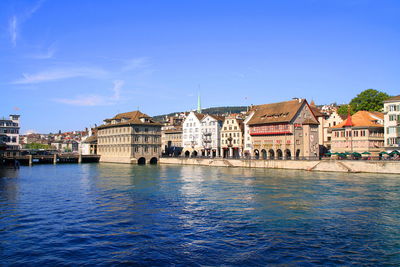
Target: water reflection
117,214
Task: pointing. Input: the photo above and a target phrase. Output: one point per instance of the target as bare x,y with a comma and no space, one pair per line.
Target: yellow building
232,136
131,137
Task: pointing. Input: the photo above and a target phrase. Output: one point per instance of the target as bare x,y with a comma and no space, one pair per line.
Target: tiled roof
132,117
362,119
91,139
199,116
217,117
317,112
275,112
394,98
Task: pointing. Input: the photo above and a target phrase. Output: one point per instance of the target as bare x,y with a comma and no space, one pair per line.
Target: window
146,130
137,130
146,149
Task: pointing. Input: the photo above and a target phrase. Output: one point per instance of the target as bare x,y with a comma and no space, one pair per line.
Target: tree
370,100
37,146
344,109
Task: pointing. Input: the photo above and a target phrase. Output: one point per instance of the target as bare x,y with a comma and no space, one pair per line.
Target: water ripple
109,214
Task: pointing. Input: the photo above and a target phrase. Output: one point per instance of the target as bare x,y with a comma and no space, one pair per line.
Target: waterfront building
192,139
171,140
362,132
232,136
284,130
210,134
171,134
9,128
332,120
392,123
88,146
131,137
247,142
321,117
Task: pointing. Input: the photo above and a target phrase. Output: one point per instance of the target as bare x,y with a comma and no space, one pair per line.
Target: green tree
370,100
343,110
36,146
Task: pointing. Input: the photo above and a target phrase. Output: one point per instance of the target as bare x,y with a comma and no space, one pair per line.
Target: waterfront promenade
327,165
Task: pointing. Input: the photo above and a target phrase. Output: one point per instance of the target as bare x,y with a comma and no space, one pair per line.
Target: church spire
198,103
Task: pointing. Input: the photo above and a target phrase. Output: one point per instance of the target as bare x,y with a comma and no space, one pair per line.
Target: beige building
362,132
332,120
232,136
131,137
171,140
285,130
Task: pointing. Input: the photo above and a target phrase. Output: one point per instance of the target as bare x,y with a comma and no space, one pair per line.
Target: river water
113,214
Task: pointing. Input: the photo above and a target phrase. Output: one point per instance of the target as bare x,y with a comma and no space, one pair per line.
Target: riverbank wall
352,166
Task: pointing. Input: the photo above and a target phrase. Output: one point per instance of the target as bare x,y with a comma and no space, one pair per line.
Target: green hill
213,111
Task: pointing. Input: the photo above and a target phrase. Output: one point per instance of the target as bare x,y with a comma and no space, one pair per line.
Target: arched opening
187,154
203,153
297,153
288,154
264,154
214,153
256,154
194,154
271,154
141,161
279,154
153,160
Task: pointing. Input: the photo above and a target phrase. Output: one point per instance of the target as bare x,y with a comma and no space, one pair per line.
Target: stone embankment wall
312,165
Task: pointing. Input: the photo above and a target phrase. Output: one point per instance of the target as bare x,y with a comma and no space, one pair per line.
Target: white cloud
59,74
16,21
12,28
49,53
95,100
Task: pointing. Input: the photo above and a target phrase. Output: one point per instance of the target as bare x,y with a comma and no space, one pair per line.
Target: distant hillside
213,111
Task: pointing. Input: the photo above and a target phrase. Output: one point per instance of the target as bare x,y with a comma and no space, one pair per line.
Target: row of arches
142,161
278,154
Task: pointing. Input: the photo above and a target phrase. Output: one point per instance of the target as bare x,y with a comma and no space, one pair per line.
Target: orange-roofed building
362,132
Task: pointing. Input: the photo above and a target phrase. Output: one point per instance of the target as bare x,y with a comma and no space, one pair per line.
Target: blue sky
66,65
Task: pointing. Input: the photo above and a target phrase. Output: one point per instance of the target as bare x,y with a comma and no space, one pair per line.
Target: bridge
50,159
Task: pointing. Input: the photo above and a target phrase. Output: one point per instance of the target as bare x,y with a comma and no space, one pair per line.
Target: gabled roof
280,112
362,119
199,116
393,99
216,117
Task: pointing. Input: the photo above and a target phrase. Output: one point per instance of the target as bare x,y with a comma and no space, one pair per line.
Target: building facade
362,132
392,123
9,130
285,130
332,120
192,137
131,137
171,140
232,137
210,130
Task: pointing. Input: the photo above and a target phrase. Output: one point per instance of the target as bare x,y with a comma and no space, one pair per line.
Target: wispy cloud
95,100
47,54
12,28
136,63
16,21
53,75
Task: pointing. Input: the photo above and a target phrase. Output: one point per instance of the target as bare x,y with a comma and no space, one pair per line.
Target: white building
211,129
392,123
9,130
192,136
247,142
333,119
